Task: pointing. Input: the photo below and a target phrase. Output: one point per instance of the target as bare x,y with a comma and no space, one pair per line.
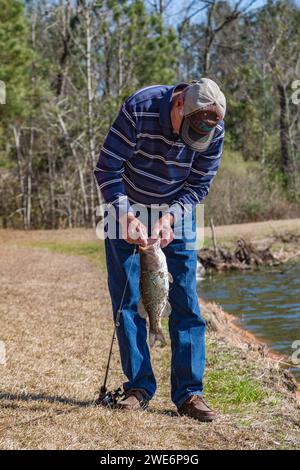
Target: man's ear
180,108
179,102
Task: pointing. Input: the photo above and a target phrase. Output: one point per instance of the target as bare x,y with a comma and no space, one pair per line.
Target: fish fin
141,310
170,277
157,336
167,310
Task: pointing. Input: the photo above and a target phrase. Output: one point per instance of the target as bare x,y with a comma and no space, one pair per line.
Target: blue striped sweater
143,161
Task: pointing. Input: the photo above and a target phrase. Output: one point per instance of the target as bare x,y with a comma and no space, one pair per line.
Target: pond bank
228,327
242,256
251,245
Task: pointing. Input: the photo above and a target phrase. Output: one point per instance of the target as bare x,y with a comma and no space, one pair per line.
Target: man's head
196,111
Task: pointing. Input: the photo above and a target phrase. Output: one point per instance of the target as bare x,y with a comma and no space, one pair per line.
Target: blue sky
178,6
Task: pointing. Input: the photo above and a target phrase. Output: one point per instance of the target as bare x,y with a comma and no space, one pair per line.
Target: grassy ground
55,320
280,234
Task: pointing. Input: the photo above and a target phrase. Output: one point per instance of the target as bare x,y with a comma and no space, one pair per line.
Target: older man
164,147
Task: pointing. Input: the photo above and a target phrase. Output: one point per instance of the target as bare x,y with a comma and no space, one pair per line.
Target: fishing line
103,389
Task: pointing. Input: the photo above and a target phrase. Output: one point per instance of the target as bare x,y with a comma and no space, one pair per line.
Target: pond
267,303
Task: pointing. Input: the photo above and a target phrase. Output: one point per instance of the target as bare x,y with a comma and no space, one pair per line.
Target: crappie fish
154,289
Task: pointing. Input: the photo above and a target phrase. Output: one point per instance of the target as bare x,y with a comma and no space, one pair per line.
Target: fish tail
157,336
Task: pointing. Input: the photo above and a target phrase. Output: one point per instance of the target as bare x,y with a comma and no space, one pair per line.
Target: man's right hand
134,230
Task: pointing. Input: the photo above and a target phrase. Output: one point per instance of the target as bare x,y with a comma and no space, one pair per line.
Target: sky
178,6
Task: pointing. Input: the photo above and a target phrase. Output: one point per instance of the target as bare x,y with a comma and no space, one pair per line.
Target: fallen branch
243,256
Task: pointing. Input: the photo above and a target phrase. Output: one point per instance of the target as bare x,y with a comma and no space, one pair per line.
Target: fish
154,289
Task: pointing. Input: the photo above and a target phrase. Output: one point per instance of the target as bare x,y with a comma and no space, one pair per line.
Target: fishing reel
109,399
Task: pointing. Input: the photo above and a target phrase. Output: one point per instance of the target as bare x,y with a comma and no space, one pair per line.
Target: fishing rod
110,398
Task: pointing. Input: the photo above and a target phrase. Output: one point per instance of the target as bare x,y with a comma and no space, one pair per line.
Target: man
164,147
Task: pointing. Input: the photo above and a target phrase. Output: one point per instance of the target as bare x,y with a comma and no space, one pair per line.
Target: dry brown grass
55,319
257,230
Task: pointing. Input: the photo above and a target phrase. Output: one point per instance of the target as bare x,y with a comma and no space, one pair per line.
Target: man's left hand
163,230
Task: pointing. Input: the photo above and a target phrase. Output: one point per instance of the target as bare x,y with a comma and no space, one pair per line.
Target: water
267,302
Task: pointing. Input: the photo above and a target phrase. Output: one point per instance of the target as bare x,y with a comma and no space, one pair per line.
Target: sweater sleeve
118,146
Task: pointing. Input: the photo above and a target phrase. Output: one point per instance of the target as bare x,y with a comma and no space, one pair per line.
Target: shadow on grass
168,412
40,397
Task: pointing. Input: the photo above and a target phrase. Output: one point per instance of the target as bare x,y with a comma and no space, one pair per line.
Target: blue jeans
186,325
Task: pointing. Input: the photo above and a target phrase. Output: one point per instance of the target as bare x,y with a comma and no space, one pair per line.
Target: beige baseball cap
204,107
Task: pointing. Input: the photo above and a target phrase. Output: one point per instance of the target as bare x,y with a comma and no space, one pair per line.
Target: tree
278,45
15,60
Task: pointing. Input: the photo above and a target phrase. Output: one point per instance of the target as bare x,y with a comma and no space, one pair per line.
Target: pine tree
15,58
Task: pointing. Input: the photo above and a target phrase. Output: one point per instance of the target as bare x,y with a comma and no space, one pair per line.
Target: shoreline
223,322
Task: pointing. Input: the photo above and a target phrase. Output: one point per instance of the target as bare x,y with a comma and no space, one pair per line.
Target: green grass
230,387
93,251
233,161
230,384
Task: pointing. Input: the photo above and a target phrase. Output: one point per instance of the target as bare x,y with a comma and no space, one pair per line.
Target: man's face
204,120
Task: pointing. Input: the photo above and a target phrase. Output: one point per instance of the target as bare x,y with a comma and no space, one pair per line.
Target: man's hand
135,232
163,230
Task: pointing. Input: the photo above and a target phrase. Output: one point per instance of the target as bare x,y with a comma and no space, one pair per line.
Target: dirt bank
227,326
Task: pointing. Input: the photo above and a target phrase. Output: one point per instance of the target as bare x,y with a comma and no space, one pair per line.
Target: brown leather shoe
196,407
135,399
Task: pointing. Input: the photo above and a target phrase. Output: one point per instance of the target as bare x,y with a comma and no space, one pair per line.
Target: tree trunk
107,64
66,38
51,186
284,130
17,136
29,180
90,98
79,167
209,37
